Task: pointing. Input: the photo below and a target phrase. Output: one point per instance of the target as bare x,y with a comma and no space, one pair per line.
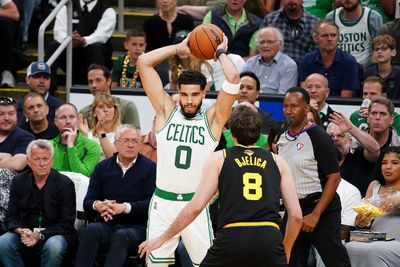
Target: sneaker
8,79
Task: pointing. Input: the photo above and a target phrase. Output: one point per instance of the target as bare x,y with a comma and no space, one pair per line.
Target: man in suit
41,212
93,25
118,196
318,88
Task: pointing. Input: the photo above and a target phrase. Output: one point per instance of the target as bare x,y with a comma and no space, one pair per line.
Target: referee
250,182
312,157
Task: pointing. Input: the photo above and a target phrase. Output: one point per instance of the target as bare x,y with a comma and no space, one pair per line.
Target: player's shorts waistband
173,196
251,224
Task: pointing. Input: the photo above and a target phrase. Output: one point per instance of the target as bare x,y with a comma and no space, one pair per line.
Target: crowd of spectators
330,48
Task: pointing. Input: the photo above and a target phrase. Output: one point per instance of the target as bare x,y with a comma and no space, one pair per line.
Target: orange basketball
204,39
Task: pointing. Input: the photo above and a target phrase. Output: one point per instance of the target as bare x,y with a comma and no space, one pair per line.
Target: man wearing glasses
13,140
356,164
118,197
383,51
276,71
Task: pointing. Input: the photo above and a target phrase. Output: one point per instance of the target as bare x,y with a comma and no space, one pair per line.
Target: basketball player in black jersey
250,182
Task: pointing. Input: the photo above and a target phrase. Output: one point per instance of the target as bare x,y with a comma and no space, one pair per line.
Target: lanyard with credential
40,218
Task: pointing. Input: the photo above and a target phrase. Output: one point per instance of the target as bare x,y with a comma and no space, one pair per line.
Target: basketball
204,39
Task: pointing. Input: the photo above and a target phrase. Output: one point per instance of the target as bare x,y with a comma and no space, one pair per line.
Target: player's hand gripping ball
204,40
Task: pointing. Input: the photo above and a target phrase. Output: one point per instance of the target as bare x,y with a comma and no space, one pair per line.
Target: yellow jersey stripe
250,224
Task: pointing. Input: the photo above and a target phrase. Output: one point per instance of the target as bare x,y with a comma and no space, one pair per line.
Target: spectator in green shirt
373,86
318,8
125,73
197,9
73,152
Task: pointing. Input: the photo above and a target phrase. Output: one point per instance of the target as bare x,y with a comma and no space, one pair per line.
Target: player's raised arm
151,81
219,113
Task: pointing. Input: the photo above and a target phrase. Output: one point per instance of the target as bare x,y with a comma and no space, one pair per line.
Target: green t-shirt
318,8
130,71
362,123
82,158
376,5
211,4
233,24
261,142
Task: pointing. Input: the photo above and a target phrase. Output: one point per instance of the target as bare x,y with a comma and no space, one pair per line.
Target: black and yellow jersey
249,186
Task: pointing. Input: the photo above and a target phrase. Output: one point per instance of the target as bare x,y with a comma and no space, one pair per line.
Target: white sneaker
7,79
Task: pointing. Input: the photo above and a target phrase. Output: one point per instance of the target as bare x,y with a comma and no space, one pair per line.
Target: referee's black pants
325,237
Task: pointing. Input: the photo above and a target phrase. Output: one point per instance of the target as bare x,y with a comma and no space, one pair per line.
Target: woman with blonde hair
106,117
179,63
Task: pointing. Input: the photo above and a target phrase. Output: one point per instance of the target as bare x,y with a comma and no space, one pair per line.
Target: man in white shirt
276,71
93,25
9,18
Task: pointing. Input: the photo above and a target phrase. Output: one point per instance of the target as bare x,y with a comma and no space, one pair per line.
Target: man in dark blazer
119,194
41,212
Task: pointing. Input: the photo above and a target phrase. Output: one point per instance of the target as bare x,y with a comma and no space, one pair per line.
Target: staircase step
134,3
32,54
117,40
21,90
135,13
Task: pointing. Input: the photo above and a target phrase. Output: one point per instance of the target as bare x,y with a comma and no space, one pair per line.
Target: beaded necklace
132,83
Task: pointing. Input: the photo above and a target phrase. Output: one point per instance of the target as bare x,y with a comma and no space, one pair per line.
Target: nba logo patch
299,146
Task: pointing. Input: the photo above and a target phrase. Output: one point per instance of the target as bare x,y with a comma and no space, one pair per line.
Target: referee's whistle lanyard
40,219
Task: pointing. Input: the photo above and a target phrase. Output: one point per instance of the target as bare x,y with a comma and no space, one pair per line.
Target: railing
67,43
120,16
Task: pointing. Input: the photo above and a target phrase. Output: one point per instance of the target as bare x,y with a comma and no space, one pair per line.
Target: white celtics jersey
355,38
183,145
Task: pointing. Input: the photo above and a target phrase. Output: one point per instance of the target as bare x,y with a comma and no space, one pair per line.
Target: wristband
219,52
103,135
230,88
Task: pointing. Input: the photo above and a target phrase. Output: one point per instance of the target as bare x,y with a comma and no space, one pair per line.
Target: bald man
318,89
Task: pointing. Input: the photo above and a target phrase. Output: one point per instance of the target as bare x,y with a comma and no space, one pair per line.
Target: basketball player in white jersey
186,135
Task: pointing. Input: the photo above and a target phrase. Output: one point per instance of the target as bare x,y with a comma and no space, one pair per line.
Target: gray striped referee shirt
311,156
